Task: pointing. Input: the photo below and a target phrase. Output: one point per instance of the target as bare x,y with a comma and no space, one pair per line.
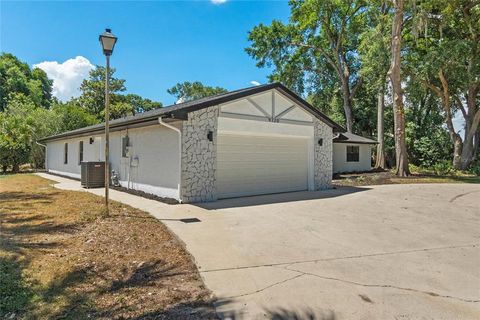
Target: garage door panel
249,165
262,168
262,150
267,158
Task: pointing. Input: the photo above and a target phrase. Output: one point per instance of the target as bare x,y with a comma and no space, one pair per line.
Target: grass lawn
61,259
388,177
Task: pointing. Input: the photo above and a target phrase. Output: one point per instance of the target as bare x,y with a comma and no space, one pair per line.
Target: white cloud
255,83
218,1
66,76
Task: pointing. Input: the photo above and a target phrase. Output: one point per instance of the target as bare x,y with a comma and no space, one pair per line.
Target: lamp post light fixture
107,40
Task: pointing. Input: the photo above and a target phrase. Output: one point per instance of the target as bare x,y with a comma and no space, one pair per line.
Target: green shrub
442,168
475,168
414,168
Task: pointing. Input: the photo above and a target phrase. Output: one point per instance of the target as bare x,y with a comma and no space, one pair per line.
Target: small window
125,144
65,153
353,153
80,152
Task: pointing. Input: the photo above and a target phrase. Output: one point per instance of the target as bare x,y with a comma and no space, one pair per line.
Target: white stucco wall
55,152
156,148
340,163
160,166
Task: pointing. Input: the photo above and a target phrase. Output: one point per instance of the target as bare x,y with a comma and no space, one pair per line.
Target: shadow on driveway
279,198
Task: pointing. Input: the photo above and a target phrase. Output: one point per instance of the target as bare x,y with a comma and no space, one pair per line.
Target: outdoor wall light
91,140
320,142
210,135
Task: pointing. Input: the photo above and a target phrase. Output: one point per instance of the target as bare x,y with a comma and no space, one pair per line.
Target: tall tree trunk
476,144
472,123
447,107
347,105
470,146
401,156
457,151
338,63
460,151
380,159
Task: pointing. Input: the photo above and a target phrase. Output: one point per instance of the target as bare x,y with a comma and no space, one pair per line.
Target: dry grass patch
60,258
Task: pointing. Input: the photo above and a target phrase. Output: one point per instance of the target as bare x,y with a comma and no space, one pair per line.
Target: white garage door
250,165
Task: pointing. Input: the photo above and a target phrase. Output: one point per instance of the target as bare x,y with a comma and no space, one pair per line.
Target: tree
129,105
92,96
25,96
70,116
427,141
374,51
187,91
138,103
43,124
446,60
317,47
401,155
28,111
17,77
15,131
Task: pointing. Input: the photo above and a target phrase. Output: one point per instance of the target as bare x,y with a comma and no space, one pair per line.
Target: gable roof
348,137
180,111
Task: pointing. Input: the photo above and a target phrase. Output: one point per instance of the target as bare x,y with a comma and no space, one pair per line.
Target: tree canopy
347,58
187,91
444,56
17,77
316,52
400,71
92,96
28,111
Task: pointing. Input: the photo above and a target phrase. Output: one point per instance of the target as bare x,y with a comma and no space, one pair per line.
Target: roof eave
180,113
355,142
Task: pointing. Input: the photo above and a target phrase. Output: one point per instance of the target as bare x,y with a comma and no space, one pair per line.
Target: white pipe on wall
160,121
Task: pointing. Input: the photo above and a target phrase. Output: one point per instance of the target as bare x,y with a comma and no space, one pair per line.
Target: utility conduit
169,126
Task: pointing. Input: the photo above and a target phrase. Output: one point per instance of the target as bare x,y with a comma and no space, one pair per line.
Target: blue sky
160,43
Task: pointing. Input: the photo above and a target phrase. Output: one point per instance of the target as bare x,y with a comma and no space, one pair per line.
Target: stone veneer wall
323,155
199,156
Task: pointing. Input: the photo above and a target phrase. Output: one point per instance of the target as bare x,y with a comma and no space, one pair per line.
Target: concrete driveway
381,252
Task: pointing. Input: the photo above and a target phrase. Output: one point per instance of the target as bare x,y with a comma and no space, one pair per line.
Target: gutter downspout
46,155
169,126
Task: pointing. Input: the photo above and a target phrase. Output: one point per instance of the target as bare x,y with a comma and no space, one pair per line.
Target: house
259,140
352,153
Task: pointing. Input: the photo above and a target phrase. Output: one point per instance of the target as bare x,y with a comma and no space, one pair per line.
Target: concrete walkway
380,252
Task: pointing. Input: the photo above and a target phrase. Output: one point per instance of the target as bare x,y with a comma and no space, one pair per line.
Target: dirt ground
389,177
60,258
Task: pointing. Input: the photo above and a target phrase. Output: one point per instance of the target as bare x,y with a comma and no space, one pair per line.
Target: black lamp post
107,40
